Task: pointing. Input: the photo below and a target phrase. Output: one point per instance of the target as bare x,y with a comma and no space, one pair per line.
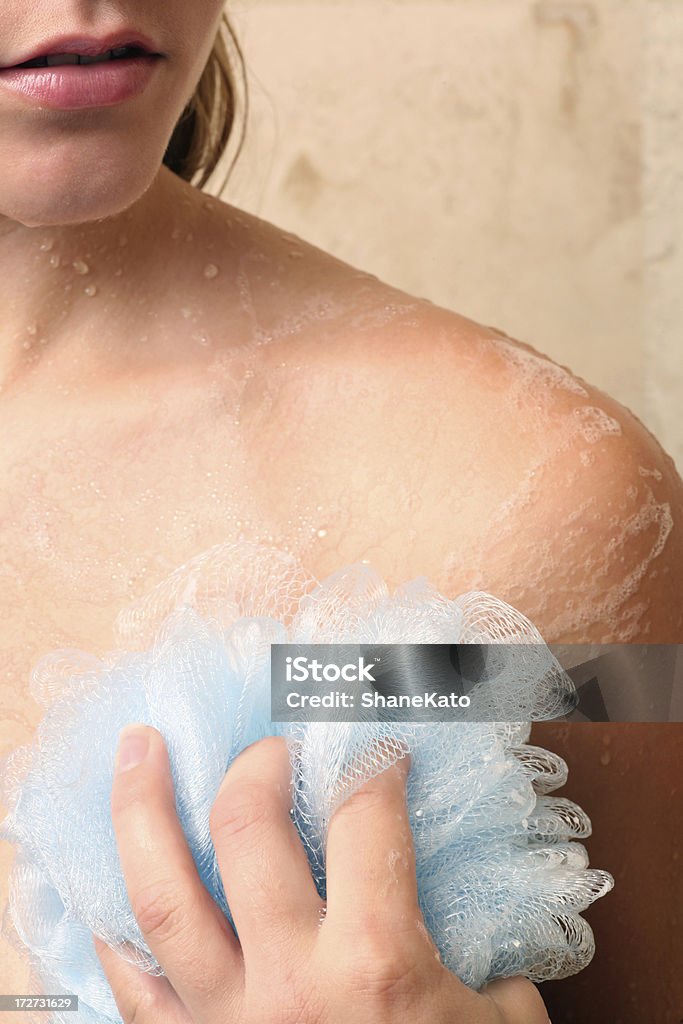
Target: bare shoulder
452,450
586,535
469,457
578,519
589,542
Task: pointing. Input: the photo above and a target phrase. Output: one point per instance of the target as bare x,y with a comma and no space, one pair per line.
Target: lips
79,73
87,47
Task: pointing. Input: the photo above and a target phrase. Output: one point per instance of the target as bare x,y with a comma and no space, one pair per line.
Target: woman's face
81,141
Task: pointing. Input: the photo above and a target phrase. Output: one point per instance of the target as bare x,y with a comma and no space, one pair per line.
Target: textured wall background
663,224
515,160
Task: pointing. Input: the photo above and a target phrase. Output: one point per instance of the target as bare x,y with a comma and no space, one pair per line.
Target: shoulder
454,451
599,534
579,510
539,488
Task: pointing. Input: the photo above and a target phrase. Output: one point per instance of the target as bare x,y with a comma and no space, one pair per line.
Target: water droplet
419,812
81,267
55,260
210,270
90,290
32,329
46,245
187,313
321,533
27,343
605,757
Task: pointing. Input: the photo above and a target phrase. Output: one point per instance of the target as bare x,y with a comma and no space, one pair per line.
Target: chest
95,509
100,503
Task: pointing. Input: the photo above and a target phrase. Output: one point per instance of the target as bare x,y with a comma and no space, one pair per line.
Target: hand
366,959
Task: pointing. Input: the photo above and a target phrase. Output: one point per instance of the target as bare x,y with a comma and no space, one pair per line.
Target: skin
389,442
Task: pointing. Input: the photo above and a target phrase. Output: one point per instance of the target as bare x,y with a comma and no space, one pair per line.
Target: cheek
195,36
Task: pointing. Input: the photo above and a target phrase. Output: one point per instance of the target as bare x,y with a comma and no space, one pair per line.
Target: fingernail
133,747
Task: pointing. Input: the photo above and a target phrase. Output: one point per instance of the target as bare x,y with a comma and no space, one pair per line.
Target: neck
61,284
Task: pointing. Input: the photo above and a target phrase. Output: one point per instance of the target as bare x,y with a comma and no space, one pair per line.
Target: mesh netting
502,878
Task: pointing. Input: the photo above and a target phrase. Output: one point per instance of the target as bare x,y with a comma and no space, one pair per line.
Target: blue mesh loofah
502,880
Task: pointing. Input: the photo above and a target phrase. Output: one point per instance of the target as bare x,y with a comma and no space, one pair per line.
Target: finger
371,878
186,931
263,864
517,1000
140,997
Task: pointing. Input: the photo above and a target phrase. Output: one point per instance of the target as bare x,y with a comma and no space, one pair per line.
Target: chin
78,190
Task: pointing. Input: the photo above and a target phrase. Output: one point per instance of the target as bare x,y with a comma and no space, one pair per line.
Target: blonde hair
204,128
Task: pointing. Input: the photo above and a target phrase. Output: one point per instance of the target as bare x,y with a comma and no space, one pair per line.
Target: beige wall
510,159
663,223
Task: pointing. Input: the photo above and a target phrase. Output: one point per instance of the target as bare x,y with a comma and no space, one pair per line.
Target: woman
176,373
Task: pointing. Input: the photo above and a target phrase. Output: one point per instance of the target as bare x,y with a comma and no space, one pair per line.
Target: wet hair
205,126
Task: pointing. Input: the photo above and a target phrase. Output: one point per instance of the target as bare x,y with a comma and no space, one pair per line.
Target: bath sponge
502,876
